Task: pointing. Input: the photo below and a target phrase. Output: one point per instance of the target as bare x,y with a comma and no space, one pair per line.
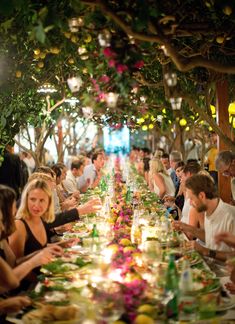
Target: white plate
226,303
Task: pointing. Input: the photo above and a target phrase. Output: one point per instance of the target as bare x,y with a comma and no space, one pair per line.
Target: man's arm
194,231
214,254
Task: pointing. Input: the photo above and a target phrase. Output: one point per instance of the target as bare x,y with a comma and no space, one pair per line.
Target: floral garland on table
125,253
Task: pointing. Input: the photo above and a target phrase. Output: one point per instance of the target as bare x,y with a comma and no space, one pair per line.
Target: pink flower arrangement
133,285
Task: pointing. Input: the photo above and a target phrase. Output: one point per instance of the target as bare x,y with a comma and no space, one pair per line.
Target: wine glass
109,301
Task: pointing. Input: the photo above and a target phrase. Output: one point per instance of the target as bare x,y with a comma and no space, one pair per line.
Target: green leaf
40,33
43,13
7,24
3,121
48,28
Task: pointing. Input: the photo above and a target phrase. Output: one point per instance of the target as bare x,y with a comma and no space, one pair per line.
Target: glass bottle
128,195
94,232
171,288
187,301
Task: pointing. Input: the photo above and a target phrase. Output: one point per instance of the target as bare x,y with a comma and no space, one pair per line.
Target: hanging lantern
142,98
72,101
104,38
176,103
74,24
111,99
47,88
74,83
87,112
171,79
82,50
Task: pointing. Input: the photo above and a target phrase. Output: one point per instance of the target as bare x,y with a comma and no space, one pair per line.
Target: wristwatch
212,254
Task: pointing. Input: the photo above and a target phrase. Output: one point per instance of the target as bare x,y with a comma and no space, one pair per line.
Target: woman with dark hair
66,202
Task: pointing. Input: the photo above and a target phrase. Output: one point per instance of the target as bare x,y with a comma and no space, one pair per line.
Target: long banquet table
117,275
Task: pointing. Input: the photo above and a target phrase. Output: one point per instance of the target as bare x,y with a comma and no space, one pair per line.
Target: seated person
36,217
203,197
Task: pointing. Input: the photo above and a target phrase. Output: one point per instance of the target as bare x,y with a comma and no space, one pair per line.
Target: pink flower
121,68
139,64
104,78
111,63
108,52
101,96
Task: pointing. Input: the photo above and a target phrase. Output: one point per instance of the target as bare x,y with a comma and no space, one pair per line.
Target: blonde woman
35,218
160,181
36,209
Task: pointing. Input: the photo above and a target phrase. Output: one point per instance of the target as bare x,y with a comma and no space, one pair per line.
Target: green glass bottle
172,287
94,232
128,195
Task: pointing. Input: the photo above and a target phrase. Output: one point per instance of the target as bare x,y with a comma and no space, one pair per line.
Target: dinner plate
226,303
54,315
33,317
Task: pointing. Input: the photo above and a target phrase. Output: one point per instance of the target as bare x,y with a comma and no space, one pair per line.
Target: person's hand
69,203
168,201
194,245
14,304
92,206
46,255
180,226
226,237
69,243
76,195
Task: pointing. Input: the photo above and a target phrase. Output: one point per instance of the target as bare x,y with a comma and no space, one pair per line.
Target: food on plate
49,313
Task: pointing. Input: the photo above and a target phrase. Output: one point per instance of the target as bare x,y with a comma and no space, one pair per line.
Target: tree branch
183,64
209,120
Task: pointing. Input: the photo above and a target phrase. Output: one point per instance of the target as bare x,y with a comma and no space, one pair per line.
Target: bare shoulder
20,226
158,177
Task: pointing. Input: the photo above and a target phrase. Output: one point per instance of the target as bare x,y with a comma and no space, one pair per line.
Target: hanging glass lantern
74,83
171,79
104,38
111,99
72,101
47,88
87,112
176,103
74,24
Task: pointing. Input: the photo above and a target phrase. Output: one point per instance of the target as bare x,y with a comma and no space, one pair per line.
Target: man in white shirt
76,170
92,172
219,217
